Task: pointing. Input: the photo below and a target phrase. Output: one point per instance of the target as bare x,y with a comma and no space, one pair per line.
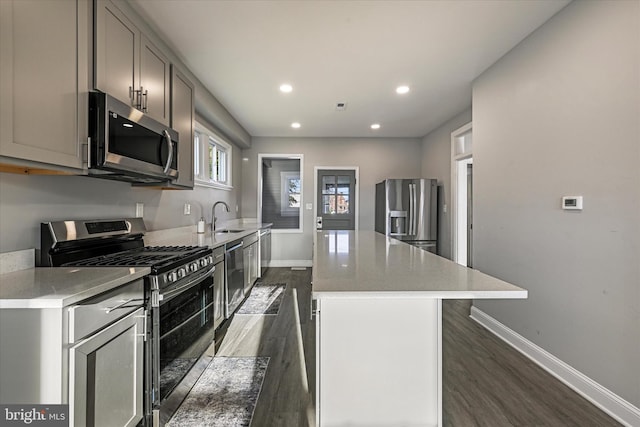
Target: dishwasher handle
233,248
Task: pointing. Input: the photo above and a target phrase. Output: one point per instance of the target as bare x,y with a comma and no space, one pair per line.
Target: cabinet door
117,52
182,120
154,81
44,80
106,375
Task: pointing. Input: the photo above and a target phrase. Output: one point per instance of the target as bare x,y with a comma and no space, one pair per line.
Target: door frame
356,169
299,157
455,158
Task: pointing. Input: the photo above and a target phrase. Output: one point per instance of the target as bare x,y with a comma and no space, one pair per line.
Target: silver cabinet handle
145,101
167,138
122,304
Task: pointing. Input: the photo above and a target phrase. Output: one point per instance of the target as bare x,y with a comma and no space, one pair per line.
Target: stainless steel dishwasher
234,266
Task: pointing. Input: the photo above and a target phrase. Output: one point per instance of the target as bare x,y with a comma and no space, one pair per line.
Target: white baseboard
623,411
291,263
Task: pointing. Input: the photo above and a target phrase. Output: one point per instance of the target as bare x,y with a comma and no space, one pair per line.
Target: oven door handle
173,292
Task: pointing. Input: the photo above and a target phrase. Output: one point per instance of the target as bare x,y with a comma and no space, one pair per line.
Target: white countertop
56,287
188,236
352,263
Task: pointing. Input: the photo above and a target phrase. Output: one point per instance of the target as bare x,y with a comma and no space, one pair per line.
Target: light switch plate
139,210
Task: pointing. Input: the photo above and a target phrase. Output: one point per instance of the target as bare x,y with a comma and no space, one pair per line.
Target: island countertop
359,263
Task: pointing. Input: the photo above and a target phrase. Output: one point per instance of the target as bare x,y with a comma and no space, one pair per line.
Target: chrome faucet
213,213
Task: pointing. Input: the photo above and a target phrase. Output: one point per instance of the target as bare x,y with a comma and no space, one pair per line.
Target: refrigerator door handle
414,205
410,222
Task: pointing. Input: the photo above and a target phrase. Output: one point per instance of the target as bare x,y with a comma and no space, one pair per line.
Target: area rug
264,299
225,395
172,374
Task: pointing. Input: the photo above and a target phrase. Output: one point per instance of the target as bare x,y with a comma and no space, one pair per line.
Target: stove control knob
209,259
193,267
203,262
181,272
172,277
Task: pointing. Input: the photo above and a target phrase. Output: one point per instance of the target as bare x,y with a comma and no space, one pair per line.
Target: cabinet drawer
104,309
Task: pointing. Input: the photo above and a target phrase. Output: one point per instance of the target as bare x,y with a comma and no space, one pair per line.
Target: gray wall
560,115
436,163
25,201
377,158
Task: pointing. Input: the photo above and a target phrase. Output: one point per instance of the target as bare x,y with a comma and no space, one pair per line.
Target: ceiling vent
341,106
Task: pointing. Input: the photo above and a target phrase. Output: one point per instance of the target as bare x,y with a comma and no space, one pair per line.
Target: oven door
185,330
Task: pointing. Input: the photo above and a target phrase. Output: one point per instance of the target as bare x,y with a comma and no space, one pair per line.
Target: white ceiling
343,51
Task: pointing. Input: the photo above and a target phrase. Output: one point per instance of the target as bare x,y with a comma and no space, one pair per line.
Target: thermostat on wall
572,203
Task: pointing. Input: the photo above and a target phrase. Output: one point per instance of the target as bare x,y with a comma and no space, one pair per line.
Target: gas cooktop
117,243
160,258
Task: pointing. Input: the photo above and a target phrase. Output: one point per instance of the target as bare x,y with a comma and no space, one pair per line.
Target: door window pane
329,204
328,185
342,204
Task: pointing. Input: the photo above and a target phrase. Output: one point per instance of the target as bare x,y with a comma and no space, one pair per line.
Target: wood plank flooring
485,382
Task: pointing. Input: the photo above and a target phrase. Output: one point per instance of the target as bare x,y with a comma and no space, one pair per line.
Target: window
280,183
212,159
290,193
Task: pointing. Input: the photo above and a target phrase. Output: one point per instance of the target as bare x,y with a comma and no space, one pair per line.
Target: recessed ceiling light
295,125
286,88
402,90
375,126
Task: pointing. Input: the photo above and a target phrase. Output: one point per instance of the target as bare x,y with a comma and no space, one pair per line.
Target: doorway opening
336,198
462,195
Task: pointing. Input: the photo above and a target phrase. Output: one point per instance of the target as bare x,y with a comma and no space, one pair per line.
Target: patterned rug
225,395
264,299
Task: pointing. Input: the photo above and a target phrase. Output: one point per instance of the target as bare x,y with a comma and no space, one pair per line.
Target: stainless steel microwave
127,145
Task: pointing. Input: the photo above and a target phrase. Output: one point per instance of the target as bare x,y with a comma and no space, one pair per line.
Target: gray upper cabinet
128,66
182,120
44,81
154,80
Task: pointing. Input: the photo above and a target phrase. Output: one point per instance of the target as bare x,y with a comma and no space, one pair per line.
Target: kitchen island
379,327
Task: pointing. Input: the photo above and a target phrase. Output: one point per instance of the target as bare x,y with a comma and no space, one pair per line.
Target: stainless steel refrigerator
407,209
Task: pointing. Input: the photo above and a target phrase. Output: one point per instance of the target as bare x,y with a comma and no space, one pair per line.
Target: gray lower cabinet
251,262
128,66
265,250
88,355
45,50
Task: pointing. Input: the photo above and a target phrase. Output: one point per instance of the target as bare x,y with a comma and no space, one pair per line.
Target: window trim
299,157
205,137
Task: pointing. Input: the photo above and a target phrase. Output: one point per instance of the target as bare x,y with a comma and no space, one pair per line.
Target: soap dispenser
201,225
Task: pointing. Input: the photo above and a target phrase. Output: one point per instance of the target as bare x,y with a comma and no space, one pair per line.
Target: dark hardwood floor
485,382
288,338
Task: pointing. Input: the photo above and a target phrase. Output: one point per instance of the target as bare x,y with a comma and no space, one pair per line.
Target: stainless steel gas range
179,293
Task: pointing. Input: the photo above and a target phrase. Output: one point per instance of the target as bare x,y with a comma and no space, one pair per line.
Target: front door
336,199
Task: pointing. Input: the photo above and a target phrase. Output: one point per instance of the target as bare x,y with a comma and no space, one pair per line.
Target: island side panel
379,361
